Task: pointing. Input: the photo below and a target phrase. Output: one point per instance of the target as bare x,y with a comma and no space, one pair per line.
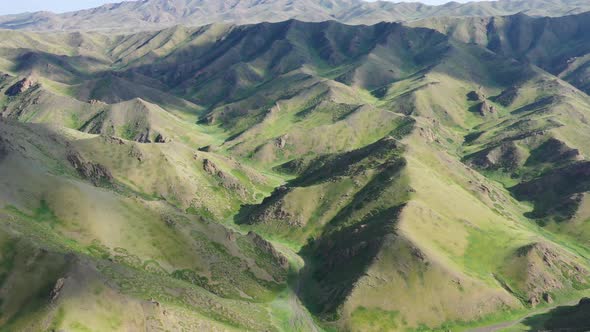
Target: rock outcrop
143,137
159,139
226,181
96,102
485,108
20,87
211,168
56,291
281,142
476,96
543,269
266,246
95,173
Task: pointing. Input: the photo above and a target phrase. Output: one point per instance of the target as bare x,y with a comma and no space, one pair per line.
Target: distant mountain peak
157,14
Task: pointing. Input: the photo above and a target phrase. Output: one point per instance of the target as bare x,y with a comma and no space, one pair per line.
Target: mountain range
158,14
427,175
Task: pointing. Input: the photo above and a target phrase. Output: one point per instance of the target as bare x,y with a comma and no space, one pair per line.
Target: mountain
294,175
158,14
558,45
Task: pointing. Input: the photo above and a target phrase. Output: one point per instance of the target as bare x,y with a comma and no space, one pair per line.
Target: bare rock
20,87
95,173
476,96
547,269
159,139
547,298
55,292
96,102
210,167
143,137
534,301
485,108
226,181
266,246
113,140
281,142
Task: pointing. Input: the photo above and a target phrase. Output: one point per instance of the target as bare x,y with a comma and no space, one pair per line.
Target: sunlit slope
373,219
399,179
76,203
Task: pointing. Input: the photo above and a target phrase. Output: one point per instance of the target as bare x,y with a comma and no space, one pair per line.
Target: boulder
475,96
159,139
281,142
547,298
485,108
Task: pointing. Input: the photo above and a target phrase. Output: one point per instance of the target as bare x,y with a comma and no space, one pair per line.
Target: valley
430,175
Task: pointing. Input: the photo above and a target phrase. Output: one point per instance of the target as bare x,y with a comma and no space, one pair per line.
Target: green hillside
558,45
293,176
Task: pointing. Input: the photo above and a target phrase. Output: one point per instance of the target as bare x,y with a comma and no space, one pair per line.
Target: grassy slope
379,149
558,44
145,235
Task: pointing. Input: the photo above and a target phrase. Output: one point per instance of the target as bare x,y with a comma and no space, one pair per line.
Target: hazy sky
19,6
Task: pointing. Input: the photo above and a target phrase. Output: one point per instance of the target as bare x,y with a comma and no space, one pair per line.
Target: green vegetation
363,319
295,176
